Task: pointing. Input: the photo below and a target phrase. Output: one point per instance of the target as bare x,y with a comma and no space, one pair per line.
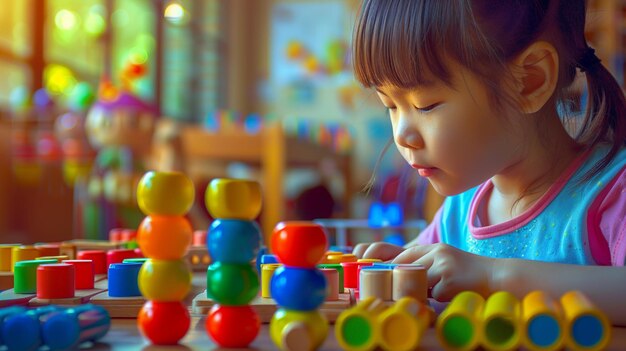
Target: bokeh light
66,20
175,13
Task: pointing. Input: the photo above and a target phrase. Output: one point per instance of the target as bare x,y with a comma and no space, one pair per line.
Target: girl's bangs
401,43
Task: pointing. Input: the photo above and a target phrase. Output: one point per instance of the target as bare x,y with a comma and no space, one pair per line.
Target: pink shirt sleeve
612,218
430,235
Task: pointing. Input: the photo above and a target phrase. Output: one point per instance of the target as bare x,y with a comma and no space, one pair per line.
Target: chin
448,189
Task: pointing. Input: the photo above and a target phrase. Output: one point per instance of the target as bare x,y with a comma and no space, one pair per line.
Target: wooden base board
265,307
6,281
101,284
10,298
119,307
80,297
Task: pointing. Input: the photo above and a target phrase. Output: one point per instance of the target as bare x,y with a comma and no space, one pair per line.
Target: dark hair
404,42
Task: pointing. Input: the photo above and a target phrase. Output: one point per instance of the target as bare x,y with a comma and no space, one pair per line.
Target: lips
423,170
417,166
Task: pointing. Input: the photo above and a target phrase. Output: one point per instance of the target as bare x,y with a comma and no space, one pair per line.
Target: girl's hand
380,250
450,270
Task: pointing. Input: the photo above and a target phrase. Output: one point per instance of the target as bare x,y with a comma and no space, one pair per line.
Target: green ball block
25,275
232,284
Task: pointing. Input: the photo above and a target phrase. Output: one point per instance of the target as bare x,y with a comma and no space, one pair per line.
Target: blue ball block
233,240
300,289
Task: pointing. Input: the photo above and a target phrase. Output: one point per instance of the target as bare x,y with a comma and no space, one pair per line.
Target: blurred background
95,92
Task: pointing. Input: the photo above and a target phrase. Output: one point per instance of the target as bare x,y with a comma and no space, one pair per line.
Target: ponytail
605,117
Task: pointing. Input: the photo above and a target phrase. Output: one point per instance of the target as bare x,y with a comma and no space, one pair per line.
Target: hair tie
587,60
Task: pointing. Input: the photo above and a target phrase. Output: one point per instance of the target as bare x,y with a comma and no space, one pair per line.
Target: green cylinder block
25,275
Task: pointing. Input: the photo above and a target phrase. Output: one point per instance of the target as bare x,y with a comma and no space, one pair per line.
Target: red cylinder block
118,256
99,259
84,276
115,235
351,272
55,281
199,238
128,235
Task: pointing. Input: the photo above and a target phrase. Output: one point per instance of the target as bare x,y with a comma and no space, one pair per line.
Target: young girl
475,90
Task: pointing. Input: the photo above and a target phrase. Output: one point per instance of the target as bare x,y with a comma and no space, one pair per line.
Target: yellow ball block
295,330
165,193
161,280
233,199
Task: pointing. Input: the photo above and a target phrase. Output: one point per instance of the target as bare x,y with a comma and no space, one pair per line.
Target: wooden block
80,297
119,307
6,280
265,307
68,249
103,245
10,298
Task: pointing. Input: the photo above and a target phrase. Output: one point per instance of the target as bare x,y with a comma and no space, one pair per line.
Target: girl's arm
605,286
451,271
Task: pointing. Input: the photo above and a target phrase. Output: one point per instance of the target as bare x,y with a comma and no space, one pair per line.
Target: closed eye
428,108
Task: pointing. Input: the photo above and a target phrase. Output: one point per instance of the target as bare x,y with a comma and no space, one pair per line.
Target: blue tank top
557,234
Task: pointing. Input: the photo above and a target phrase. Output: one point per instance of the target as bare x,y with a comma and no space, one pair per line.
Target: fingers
360,249
382,251
413,254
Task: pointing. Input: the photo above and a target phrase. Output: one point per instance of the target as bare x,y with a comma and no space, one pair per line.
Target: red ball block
299,244
163,323
232,326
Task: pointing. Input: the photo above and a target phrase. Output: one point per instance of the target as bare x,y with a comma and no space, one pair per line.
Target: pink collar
529,214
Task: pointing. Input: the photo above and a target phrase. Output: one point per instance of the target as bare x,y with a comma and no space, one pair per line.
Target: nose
407,135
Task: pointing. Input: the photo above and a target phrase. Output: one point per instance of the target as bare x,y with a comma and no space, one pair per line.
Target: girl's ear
535,73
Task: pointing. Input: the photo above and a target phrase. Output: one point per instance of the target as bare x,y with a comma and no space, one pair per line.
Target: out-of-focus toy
537,323
120,127
52,326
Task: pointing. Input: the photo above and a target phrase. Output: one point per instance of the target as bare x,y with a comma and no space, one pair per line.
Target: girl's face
451,135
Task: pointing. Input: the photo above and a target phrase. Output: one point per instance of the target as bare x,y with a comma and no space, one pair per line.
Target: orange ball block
165,193
233,199
299,243
163,323
164,237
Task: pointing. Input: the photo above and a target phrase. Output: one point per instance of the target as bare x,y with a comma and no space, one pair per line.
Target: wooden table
124,335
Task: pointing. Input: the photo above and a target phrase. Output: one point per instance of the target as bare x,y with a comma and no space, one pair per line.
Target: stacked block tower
233,241
299,287
164,237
